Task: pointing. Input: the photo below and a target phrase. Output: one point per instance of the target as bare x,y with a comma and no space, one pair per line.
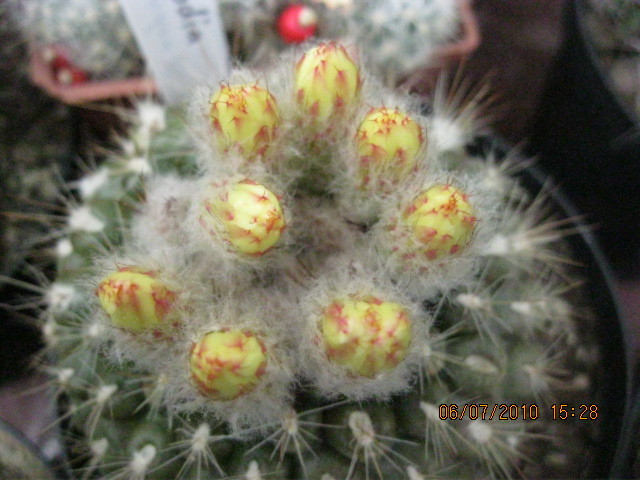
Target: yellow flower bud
227,364
441,221
366,335
327,81
135,299
246,214
388,143
244,117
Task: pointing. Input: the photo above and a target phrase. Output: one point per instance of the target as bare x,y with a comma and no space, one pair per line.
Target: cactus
401,36
397,37
612,27
219,313
91,35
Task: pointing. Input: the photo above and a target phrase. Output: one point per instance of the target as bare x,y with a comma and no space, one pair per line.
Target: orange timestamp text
485,411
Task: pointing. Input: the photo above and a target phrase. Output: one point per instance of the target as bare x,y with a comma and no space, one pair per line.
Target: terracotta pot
42,74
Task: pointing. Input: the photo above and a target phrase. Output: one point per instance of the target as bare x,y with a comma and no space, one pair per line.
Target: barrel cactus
313,289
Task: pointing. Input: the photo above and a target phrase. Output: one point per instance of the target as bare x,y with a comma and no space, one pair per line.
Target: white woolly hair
497,175
320,231
159,223
540,304
342,279
493,444
530,232
459,113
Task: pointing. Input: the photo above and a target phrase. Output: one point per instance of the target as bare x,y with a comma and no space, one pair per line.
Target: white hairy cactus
244,290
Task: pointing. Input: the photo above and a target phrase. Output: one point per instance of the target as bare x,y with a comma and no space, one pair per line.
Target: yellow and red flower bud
246,215
244,117
366,335
228,364
440,220
388,143
135,299
327,81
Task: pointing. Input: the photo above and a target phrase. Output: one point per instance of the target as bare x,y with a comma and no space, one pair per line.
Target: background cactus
339,349
90,38
613,27
396,36
400,37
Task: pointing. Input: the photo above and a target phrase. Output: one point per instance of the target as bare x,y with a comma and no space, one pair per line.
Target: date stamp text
506,411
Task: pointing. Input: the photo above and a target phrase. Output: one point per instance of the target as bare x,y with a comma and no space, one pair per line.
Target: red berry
297,23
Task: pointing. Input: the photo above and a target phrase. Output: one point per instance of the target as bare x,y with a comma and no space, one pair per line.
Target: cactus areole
246,214
135,299
441,221
366,336
227,364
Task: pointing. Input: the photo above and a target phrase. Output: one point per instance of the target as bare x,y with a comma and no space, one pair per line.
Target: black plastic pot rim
628,420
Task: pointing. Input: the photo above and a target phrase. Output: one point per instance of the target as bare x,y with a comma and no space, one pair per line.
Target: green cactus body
322,356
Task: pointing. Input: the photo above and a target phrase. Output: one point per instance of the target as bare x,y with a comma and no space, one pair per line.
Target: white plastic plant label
182,41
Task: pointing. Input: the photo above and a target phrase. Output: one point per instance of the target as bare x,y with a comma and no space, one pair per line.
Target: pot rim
42,74
535,178
33,449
